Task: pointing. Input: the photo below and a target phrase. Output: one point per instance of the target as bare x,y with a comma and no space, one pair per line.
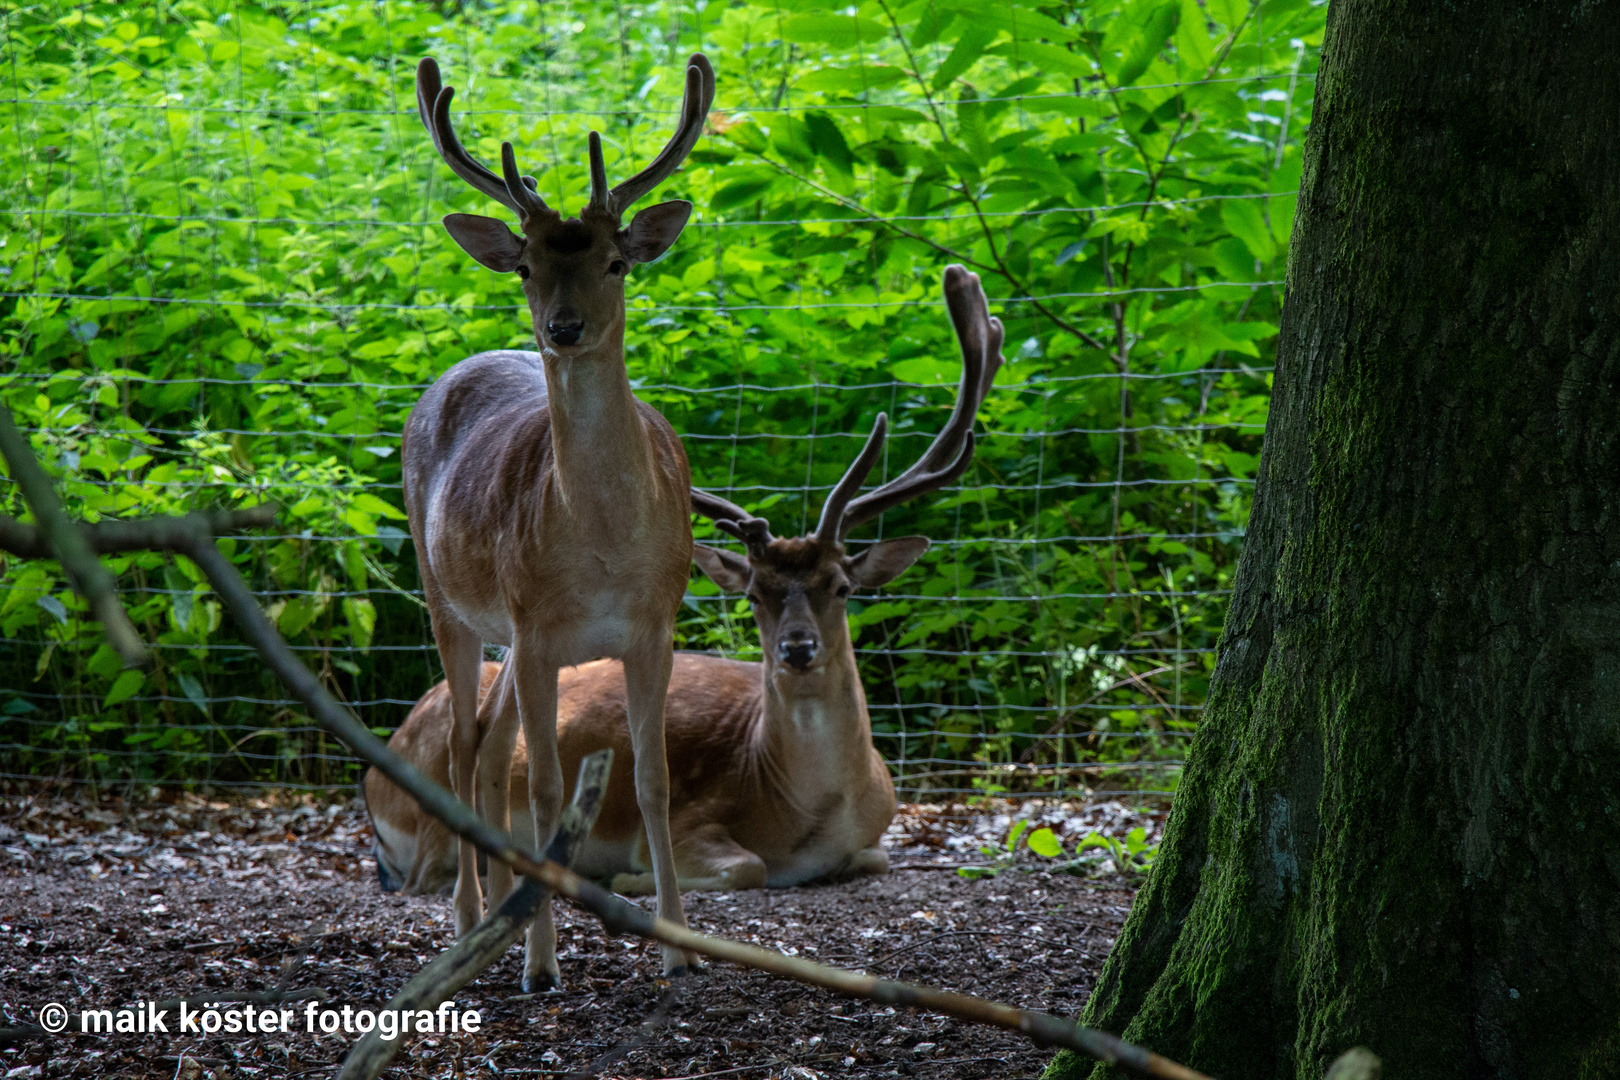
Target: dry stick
161,534
488,941
616,915
67,545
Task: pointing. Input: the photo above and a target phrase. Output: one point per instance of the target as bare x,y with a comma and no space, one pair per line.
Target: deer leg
461,653
707,859
646,683
872,860
536,684
498,723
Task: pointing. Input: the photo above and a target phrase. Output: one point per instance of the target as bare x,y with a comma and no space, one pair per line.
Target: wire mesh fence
224,280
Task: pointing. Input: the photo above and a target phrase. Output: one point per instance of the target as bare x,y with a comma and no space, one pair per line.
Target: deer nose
385,875
798,652
565,329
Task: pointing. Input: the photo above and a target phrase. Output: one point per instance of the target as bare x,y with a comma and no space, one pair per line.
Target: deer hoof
541,982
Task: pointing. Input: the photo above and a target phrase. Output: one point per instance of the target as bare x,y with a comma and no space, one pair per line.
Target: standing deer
774,778
549,507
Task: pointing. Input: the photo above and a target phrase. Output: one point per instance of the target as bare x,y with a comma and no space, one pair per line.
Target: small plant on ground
1001,857
1132,856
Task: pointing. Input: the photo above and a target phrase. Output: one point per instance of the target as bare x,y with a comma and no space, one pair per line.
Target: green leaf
853,80
1045,57
1156,30
299,613
362,618
1044,842
828,142
1285,182
931,23
104,662
739,193
1243,219
391,538
1015,832
1233,260
193,691
124,687
925,369
354,564
1230,13
1192,41
969,47
844,31
57,609
373,505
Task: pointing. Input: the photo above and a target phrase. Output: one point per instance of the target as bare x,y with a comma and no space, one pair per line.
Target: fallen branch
618,916
488,941
146,534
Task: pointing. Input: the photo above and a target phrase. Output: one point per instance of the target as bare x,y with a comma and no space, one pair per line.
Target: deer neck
818,718
598,440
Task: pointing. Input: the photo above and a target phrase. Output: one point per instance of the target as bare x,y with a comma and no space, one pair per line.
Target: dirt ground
104,903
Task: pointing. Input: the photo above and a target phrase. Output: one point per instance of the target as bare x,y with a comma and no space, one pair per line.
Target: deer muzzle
798,651
565,328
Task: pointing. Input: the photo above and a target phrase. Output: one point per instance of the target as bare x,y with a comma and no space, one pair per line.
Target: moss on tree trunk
1400,822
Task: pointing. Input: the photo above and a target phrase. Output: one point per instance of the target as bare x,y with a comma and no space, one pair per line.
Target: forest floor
104,903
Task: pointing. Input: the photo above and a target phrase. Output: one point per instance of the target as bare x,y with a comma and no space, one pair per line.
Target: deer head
573,269
799,587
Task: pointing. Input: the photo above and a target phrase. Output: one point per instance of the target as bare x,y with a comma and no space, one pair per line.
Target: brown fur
773,775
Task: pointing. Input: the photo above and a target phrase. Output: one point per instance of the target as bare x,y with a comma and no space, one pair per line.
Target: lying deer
774,778
549,507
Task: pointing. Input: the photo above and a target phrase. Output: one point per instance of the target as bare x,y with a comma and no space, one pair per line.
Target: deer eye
617,268
523,272
753,598
843,591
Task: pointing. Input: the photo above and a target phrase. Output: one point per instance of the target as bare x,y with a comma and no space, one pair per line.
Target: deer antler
947,458
831,526
694,107
433,103
729,518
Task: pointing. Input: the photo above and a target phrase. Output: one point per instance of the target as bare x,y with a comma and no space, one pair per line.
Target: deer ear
652,231
487,240
730,572
886,560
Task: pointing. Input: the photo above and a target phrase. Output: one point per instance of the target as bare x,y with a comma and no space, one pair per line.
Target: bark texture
1400,823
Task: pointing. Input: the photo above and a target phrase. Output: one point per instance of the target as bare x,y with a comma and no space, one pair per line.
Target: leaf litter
105,901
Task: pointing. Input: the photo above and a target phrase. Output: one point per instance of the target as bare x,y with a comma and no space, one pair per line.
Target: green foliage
1002,857
1130,857
225,282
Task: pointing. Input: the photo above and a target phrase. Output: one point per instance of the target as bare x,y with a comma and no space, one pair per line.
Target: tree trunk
1400,822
